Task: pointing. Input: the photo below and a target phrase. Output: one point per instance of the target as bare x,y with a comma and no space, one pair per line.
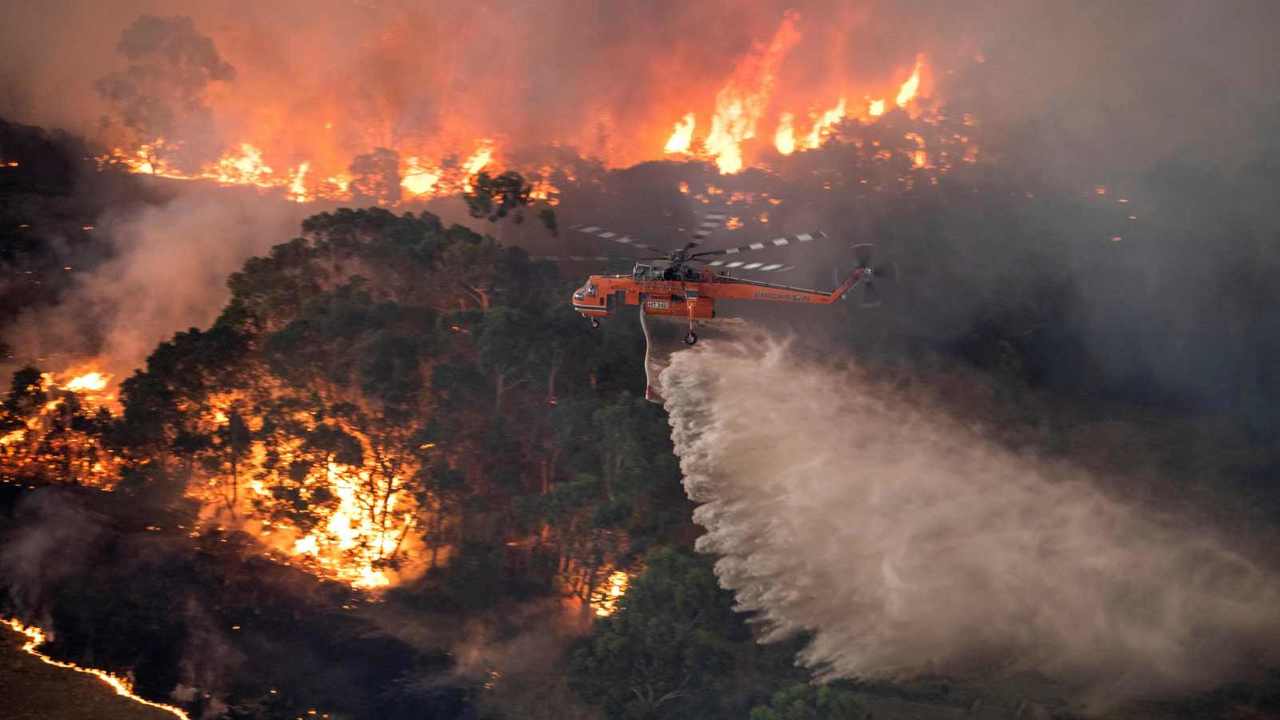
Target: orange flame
823,125
93,381
908,91
606,603
742,101
681,136
784,139
419,178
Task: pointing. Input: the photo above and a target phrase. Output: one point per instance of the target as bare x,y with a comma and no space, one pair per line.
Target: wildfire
418,177
784,138
681,136
822,127
246,165
122,685
742,101
606,602
317,160
352,543
908,91
92,381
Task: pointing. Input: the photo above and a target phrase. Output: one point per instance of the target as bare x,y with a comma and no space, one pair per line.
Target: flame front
122,685
741,102
313,151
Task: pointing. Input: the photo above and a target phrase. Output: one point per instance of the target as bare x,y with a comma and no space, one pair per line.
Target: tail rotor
873,273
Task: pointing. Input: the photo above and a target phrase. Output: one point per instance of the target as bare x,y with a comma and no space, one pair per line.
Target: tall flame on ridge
742,101
908,91
681,136
784,138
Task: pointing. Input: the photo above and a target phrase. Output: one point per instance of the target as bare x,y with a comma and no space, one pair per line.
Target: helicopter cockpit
664,272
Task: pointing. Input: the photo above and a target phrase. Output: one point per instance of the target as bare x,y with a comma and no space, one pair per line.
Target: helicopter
681,283
685,283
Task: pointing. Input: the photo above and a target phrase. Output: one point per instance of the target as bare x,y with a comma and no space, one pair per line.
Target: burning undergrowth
198,620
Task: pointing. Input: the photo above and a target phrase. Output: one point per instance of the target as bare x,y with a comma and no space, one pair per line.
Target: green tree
667,651
806,702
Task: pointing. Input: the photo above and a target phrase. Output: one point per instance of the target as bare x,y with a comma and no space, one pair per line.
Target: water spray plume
905,543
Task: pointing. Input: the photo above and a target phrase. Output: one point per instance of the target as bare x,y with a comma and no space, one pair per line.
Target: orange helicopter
669,285
682,284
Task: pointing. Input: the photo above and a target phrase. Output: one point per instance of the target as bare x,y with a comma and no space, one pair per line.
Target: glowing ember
919,158
606,603
122,685
681,136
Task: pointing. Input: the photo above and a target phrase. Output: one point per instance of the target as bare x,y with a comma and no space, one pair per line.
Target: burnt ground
33,690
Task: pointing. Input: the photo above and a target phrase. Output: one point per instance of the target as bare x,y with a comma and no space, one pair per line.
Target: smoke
168,272
52,540
906,542
161,94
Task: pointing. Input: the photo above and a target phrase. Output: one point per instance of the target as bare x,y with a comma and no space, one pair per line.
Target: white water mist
906,543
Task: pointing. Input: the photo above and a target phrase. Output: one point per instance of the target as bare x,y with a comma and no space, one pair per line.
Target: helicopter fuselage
689,293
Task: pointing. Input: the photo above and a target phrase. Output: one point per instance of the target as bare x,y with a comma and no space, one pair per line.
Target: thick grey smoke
161,92
169,273
907,543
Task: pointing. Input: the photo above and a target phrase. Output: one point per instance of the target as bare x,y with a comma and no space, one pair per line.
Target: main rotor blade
754,266
712,220
862,252
767,244
604,234
587,258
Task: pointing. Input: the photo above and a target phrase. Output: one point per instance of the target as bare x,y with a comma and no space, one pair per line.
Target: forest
398,478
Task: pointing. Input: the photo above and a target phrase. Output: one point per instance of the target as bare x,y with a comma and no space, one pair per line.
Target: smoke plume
168,273
907,543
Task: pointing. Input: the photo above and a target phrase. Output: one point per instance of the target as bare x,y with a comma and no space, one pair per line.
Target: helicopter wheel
691,338
595,323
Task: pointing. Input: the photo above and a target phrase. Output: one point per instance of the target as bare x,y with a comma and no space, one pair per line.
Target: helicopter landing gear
691,338
595,323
